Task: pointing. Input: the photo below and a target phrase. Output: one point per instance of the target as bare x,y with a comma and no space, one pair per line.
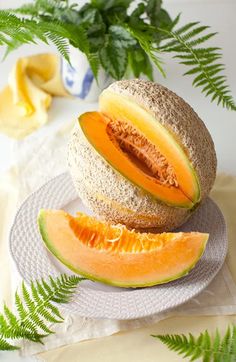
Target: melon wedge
114,255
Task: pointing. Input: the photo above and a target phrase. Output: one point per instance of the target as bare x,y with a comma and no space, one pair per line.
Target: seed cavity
142,152
115,238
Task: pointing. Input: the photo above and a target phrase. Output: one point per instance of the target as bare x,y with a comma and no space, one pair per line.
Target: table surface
220,15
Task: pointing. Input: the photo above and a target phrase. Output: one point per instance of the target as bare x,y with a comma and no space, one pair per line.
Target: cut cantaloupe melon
145,159
146,164
115,255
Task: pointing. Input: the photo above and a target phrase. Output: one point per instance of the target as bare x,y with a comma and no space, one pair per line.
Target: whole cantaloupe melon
145,159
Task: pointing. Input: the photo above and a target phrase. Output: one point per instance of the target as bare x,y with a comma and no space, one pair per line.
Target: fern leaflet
35,309
146,45
215,349
186,43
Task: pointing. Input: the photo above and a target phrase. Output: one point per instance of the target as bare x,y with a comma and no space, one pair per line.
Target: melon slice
114,255
142,150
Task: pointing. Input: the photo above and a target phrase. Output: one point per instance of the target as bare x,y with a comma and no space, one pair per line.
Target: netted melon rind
115,198
93,176
180,119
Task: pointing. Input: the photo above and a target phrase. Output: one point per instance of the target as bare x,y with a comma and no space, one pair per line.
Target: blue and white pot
78,78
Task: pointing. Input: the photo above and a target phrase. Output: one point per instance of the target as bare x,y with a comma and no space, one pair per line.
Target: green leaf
203,64
145,43
121,37
135,17
90,15
215,349
114,59
46,7
153,8
109,4
60,43
140,63
158,18
20,306
101,27
5,346
138,11
186,27
165,20
95,28
94,62
26,9
27,298
35,310
9,315
68,16
25,31
21,31
3,322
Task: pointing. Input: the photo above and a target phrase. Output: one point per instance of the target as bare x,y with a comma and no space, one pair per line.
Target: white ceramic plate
97,300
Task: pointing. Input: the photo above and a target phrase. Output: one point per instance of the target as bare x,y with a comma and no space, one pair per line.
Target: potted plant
115,39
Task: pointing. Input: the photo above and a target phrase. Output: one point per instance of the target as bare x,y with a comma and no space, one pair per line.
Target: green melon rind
187,205
49,245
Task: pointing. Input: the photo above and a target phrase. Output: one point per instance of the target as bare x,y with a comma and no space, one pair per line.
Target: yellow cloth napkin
25,100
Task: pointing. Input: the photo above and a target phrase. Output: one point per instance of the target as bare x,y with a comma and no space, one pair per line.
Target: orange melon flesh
115,255
117,106
94,126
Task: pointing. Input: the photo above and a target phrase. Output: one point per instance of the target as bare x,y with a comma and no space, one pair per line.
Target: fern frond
83,45
39,6
27,298
209,349
148,47
94,63
5,346
61,44
34,309
26,9
9,315
20,306
57,22
186,43
16,31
